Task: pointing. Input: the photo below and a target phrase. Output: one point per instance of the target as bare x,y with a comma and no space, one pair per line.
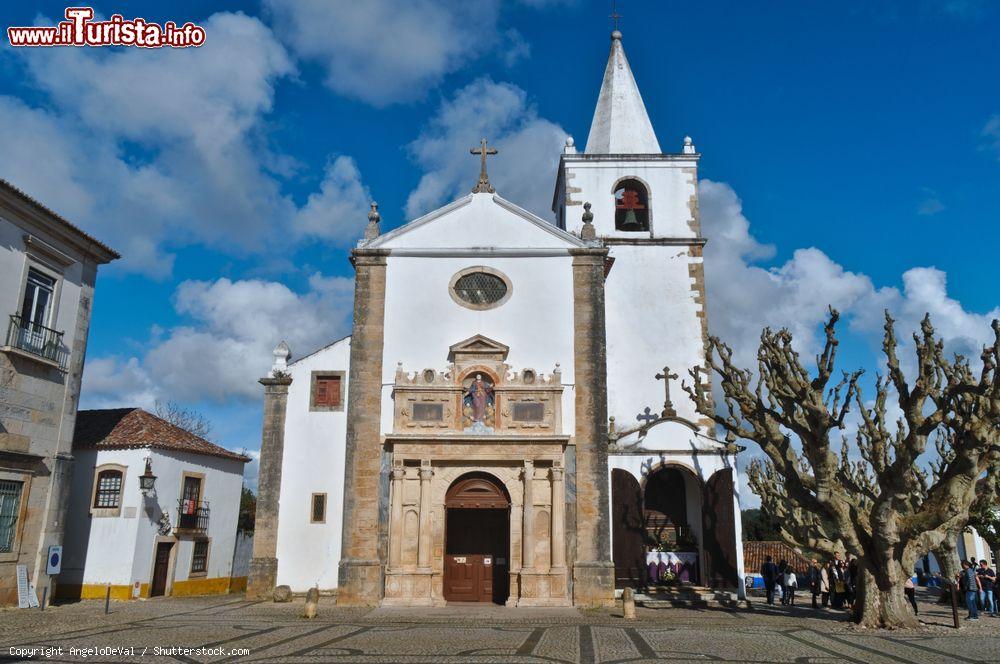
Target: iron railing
192,515
36,339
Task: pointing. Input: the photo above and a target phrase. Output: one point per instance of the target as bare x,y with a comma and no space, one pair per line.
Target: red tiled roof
132,428
754,554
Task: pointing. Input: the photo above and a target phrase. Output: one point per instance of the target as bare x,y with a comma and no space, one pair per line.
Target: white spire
621,125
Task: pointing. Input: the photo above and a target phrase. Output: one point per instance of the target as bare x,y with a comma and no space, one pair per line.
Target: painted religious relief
478,405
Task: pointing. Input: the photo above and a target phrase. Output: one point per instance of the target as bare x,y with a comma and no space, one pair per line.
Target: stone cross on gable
646,416
666,377
483,186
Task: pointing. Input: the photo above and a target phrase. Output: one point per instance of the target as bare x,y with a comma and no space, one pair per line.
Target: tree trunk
879,598
946,555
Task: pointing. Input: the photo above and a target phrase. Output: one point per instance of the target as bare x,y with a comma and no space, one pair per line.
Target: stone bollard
282,594
628,604
312,599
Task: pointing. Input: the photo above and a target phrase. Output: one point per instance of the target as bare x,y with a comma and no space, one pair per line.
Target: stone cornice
584,157
501,439
656,241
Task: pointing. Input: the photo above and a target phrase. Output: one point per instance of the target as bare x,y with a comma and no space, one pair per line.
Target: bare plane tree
185,418
889,506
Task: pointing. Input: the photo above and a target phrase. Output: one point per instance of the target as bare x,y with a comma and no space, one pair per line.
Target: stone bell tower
645,210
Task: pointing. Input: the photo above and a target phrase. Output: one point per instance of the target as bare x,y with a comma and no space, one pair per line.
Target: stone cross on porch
646,416
666,377
483,186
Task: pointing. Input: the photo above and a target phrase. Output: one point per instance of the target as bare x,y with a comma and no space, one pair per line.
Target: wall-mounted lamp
147,481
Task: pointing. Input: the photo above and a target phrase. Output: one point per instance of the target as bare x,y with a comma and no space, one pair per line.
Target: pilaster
361,564
593,571
264,563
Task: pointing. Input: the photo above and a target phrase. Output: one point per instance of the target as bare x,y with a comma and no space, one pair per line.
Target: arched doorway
476,539
672,516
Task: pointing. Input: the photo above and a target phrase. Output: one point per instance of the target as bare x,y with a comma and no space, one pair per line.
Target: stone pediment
477,348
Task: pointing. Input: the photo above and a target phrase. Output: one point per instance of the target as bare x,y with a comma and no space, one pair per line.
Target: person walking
815,577
825,579
769,573
839,585
987,581
911,594
851,579
789,585
968,581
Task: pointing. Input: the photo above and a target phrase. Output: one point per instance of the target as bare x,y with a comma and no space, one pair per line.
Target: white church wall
313,462
422,320
652,322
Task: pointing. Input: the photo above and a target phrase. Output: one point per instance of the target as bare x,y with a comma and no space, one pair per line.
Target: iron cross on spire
666,377
483,186
614,13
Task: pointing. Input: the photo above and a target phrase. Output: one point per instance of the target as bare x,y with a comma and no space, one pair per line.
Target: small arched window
109,489
631,206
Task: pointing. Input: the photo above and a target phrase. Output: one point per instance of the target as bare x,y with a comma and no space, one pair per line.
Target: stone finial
372,230
688,145
570,146
281,356
588,232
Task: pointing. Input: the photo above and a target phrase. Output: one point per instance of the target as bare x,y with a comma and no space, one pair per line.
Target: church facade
492,430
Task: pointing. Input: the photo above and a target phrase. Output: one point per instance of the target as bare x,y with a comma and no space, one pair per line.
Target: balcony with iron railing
36,340
192,515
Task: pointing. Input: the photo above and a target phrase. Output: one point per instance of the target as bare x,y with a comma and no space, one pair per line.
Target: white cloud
382,51
152,150
226,345
529,147
991,132
931,204
338,210
744,296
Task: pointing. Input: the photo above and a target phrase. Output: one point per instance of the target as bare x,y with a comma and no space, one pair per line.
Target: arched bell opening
631,205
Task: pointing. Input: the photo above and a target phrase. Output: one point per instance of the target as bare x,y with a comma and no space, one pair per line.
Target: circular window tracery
480,288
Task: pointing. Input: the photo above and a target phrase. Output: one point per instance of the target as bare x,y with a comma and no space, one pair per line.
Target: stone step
688,597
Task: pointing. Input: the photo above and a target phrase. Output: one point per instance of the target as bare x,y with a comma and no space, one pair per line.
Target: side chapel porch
674,521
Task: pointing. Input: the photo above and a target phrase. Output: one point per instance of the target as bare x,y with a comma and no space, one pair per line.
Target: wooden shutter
327,391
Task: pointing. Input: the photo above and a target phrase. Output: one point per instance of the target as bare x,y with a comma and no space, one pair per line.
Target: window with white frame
109,489
39,295
199,558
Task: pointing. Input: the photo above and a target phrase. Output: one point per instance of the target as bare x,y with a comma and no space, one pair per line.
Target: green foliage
759,526
248,510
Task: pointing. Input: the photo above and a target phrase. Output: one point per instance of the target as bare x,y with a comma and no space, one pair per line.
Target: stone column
396,524
593,571
558,530
264,563
424,538
527,514
361,565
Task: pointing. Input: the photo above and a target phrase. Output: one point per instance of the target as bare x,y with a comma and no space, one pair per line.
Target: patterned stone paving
213,628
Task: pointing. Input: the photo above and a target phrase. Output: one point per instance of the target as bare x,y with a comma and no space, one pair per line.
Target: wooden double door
477,561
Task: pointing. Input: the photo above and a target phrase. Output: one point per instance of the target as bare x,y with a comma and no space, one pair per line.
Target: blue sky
851,154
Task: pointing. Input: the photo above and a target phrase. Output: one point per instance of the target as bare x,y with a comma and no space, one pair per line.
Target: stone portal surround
416,578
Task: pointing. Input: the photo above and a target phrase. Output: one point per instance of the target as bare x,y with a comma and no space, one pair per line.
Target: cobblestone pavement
230,629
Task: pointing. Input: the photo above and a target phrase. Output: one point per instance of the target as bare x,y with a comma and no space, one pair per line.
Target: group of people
832,584
978,582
